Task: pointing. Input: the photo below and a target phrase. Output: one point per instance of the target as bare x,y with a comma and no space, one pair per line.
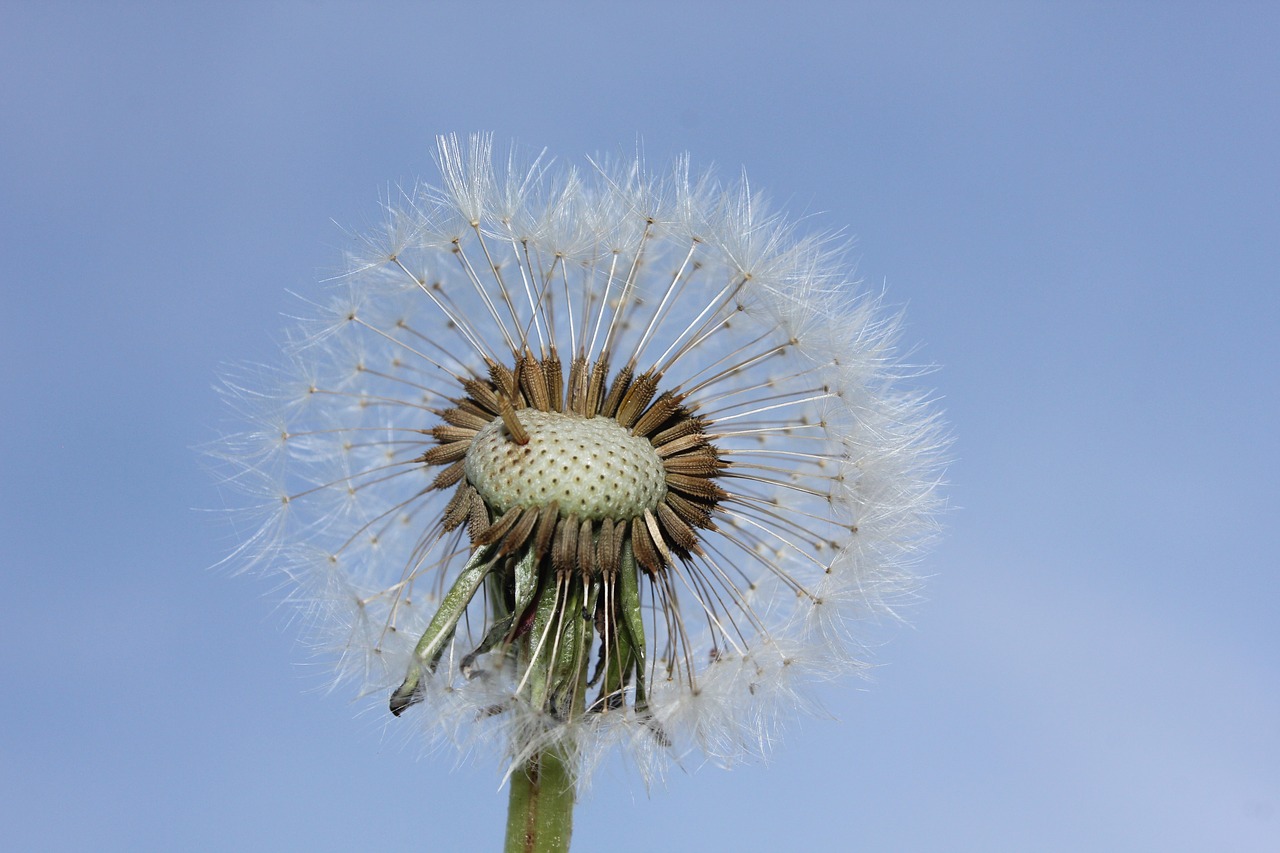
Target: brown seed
578,386
546,529
595,387
462,417
564,549
512,421
533,381
698,487
680,429
478,520
446,434
656,415
621,383
586,550
483,394
449,477
642,543
693,513
656,533
498,529
683,444
459,506
444,453
674,529
701,462
503,379
519,534
554,374
637,397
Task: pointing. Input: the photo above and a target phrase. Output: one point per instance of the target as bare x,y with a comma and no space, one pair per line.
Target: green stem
540,810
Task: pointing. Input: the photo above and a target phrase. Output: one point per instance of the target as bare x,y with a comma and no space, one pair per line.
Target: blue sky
1078,205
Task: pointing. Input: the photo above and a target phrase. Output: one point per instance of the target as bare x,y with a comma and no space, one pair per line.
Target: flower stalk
554,654
540,808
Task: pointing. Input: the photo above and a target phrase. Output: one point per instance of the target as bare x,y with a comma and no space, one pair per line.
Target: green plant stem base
540,810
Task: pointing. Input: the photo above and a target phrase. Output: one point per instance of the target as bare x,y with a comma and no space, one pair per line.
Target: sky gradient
1076,205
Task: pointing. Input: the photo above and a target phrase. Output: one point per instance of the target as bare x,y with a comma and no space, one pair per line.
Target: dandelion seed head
592,456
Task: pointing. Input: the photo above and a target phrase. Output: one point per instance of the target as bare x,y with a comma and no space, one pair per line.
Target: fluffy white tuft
833,455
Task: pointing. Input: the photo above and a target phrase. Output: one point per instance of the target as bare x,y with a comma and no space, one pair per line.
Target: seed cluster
659,493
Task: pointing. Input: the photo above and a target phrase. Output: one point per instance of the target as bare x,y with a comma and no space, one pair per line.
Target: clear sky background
1078,204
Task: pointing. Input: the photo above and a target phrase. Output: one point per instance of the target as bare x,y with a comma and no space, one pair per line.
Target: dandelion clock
585,457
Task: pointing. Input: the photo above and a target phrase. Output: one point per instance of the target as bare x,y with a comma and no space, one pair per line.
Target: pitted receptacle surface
592,467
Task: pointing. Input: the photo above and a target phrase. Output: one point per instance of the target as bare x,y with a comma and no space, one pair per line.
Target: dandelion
575,458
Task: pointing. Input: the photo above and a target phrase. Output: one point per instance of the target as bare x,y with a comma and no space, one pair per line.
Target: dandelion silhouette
589,456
